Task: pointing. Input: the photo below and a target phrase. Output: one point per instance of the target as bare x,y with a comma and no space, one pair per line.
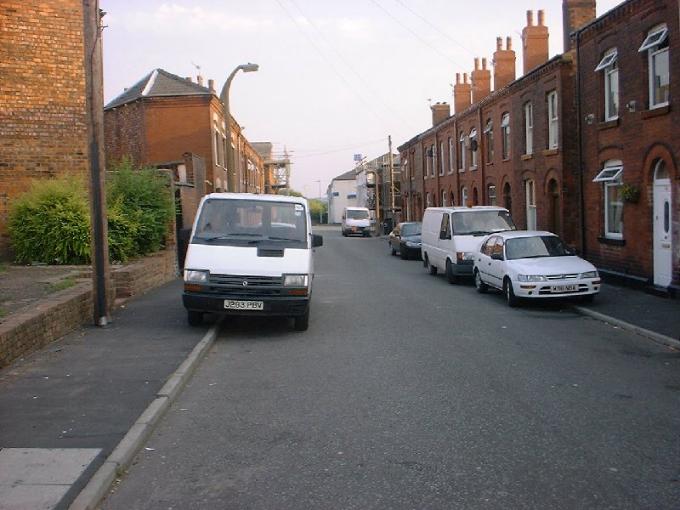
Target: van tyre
301,322
481,286
510,297
194,318
430,269
450,275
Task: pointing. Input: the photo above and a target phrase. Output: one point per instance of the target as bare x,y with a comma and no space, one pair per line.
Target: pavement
73,416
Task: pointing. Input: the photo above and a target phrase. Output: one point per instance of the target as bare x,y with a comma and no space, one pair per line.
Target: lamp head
249,67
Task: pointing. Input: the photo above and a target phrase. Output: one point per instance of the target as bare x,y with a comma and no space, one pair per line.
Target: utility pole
391,163
94,101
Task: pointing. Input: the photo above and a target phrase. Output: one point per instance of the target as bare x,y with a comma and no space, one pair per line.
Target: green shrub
123,230
51,223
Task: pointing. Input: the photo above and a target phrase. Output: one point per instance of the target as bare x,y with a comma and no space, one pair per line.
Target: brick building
163,116
43,118
629,85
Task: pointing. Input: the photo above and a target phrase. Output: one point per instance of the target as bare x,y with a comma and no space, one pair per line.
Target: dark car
405,240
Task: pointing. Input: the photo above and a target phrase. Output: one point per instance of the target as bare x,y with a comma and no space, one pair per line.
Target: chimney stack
211,85
461,93
576,14
503,64
534,42
440,112
481,81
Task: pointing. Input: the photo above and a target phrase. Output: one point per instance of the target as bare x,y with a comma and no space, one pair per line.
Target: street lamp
224,97
320,203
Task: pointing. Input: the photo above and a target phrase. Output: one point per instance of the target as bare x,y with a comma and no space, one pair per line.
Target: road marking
37,478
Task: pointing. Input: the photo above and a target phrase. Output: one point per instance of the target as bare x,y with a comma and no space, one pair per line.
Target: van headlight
196,276
295,280
531,278
589,274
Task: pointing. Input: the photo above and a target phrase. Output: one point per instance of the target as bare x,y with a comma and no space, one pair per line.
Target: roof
159,83
347,176
257,197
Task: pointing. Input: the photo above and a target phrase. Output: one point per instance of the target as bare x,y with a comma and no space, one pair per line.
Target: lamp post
320,203
232,177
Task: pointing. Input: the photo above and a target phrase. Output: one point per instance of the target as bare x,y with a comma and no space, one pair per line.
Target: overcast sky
335,77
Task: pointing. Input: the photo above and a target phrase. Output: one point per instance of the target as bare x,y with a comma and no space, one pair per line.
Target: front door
663,239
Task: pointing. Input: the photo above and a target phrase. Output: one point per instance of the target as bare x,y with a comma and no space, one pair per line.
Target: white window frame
655,36
452,156
462,150
609,58
653,55
428,162
489,196
609,173
433,148
505,136
609,66
530,197
463,196
553,120
528,128
442,170
443,198
473,154
611,176
488,133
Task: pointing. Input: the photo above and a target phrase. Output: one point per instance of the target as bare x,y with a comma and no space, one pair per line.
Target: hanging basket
630,193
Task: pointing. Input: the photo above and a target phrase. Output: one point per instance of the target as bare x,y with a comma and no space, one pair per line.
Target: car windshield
481,222
410,229
231,221
534,247
357,215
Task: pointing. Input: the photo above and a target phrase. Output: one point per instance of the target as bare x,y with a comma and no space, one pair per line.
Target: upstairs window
528,128
505,135
441,158
656,46
553,121
452,158
428,161
473,149
488,135
433,152
461,153
608,65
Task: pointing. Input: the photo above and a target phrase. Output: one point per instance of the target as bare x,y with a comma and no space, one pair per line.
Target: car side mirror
317,240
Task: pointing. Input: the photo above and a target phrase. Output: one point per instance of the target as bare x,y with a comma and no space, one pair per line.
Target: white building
342,192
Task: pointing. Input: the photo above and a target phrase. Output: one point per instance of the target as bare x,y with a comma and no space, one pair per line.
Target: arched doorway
663,236
554,219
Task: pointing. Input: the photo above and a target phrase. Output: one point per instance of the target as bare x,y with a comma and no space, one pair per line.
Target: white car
533,264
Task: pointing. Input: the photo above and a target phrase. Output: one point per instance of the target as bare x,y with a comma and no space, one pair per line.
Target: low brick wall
60,313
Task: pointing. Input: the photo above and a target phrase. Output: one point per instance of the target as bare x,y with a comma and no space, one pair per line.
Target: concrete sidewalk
64,409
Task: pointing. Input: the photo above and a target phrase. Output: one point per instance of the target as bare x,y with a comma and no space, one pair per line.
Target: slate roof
156,84
347,176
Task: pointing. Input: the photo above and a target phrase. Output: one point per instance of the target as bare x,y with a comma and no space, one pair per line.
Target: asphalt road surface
410,393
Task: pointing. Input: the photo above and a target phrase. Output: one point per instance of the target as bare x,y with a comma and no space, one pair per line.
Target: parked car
533,265
250,255
405,240
452,235
356,220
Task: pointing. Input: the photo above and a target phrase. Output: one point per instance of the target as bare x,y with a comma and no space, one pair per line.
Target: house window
218,152
528,128
433,150
488,136
464,196
611,177
452,159
530,188
461,153
441,158
405,168
505,135
336,193
443,198
428,200
553,125
351,195
656,46
428,161
491,194
473,149
608,65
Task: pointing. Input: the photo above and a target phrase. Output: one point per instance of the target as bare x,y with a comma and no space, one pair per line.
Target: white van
451,236
250,255
356,220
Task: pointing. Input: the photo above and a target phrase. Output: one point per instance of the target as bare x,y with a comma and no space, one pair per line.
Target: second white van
356,220
451,237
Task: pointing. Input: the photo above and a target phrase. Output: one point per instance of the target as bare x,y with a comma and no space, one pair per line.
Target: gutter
579,135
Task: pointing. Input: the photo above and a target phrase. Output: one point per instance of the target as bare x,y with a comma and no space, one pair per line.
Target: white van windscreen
357,214
238,222
481,222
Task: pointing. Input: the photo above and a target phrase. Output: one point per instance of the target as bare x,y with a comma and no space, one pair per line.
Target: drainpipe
481,146
579,135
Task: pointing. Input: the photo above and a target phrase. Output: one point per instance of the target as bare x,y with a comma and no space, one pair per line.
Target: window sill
473,168
461,170
505,160
608,124
490,163
526,157
611,241
655,112
551,152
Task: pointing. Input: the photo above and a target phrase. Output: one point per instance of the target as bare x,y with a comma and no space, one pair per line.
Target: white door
531,204
663,238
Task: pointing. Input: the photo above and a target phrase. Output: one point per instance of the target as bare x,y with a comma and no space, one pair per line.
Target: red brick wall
125,134
42,92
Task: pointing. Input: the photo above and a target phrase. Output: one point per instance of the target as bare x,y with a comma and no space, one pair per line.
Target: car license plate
564,288
230,304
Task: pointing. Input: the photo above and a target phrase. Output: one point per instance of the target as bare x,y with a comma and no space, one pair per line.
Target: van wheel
194,318
450,275
301,322
481,286
430,269
510,297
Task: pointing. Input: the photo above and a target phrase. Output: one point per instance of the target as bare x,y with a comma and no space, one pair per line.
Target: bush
123,231
51,223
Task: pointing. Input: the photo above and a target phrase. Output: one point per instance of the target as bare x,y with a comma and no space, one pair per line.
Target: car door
497,263
484,260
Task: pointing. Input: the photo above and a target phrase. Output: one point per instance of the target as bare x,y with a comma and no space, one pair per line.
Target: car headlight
295,280
465,255
531,278
196,275
590,274
411,244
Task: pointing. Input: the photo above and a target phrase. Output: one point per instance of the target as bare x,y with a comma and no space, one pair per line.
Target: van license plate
564,288
230,304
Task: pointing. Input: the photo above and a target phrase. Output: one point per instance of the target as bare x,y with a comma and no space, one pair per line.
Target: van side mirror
317,240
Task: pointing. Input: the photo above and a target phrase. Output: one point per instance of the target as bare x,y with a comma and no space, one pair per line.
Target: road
410,393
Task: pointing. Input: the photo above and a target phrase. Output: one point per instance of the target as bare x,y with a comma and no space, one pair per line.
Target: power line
331,151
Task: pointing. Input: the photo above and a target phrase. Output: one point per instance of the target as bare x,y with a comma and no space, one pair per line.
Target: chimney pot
457,78
530,18
541,18
484,64
508,43
499,43
465,77
199,80
211,85
476,63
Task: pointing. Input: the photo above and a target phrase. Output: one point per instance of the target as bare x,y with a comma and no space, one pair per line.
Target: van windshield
357,214
239,222
481,222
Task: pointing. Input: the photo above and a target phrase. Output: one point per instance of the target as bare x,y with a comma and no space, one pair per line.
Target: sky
335,78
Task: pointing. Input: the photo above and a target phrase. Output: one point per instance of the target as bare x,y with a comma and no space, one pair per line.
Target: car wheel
194,318
481,286
301,322
450,275
510,297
